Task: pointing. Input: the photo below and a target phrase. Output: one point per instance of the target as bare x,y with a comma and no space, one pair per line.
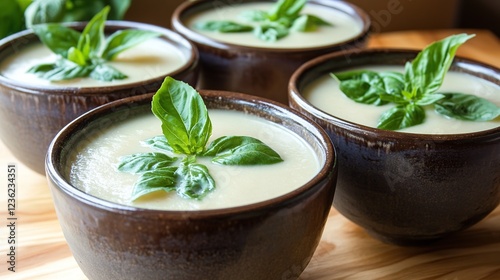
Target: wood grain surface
345,251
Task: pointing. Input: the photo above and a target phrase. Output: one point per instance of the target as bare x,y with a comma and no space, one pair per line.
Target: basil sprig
186,128
85,54
273,24
416,88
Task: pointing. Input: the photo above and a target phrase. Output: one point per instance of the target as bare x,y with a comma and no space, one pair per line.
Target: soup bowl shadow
261,71
31,115
272,239
406,188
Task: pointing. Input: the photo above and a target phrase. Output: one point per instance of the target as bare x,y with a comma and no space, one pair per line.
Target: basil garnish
85,54
417,87
186,128
271,25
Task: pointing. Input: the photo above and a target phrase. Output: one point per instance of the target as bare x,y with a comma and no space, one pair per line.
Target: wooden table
345,251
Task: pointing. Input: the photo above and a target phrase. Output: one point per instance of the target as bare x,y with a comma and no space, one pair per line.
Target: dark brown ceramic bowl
259,71
273,239
406,188
30,116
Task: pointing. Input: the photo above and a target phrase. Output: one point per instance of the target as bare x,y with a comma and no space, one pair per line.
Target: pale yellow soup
344,27
324,93
93,168
150,59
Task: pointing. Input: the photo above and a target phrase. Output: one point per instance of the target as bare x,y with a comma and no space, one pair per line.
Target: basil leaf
270,32
426,72
93,33
140,163
307,23
161,179
368,87
195,181
185,121
103,72
286,8
123,40
42,68
159,143
241,150
76,56
61,70
59,39
402,116
11,17
223,26
44,11
466,107
428,99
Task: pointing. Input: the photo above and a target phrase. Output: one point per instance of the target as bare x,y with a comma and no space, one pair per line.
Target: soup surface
94,164
324,93
150,59
344,27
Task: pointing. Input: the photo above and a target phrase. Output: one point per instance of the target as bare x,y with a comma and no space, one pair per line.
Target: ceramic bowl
259,71
272,239
406,188
31,115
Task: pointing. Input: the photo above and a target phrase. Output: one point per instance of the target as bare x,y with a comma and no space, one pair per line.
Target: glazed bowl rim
295,95
114,25
327,170
205,41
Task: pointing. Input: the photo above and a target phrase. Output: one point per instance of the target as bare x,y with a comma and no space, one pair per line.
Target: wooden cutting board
345,251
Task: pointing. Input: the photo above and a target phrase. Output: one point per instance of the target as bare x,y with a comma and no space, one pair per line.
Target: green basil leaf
76,56
159,143
402,116
369,87
23,4
426,72
140,163
308,23
223,26
103,72
466,107
162,179
125,39
241,150
93,33
61,70
185,121
428,99
195,181
270,32
286,8
59,39
44,11
11,17
42,68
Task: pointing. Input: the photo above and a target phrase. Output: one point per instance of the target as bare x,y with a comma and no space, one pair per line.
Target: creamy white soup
344,27
94,165
324,93
150,59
